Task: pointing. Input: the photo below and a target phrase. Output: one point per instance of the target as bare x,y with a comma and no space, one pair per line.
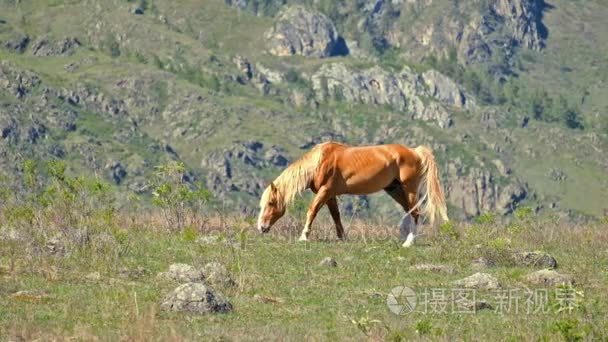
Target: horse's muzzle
264,228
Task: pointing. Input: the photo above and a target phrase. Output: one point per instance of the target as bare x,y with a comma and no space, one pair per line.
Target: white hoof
303,238
409,241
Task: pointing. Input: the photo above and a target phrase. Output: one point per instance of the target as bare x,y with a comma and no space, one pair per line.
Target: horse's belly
367,183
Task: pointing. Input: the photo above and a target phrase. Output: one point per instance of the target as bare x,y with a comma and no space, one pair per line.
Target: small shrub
570,329
486,219
448,229
523,213
424,327
175,197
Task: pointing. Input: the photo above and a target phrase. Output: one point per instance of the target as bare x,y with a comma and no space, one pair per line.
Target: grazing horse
330,169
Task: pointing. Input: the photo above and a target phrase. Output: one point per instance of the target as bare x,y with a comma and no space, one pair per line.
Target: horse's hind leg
407,227
332,204
412,219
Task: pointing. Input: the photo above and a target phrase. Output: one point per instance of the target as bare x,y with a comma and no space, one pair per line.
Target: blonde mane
295,178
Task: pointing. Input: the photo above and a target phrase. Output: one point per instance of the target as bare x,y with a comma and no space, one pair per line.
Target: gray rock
403,91
217,275
329,262
244,66
132,273
94,276
482,263
478,281
18,42
195,298
183,273
116,171
444,89
273,76
477,189
44,47
138,10
300,31
240,4
473,30
436,268
548,277
540,259
56,245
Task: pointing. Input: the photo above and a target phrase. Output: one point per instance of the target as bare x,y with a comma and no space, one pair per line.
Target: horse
409,175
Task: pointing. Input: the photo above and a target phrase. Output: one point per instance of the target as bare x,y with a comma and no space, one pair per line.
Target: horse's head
272,208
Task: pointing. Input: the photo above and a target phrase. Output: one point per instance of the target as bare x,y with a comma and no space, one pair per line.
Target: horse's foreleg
320,199
332,204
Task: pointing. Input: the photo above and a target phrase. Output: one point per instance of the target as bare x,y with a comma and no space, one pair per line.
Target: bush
175,197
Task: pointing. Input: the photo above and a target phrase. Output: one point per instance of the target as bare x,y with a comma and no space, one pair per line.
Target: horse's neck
292,181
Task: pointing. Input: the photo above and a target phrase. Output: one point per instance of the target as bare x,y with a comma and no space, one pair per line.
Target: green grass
310,301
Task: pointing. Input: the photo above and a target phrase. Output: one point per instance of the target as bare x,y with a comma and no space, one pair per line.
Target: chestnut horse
409,176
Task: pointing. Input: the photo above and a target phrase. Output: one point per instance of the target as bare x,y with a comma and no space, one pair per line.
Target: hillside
510,94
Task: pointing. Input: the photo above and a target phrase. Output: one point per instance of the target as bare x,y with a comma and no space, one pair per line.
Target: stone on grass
195,298
482,263
128,273
217,275
183,273
55,245
548,277
94,276
329,262
539,259
478,281
436,268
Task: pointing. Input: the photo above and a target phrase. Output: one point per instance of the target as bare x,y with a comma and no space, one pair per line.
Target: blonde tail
429,186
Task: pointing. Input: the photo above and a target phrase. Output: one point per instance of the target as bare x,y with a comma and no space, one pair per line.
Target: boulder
537,259
478,281
183,273
329,262
217,275
301,31
482,263
548,277
195,298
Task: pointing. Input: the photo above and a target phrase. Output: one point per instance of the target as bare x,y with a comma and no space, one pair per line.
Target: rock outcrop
476,189
300,31
44,47
231,169
403,91
474,31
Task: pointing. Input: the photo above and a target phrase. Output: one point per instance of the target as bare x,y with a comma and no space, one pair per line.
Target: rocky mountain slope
510,94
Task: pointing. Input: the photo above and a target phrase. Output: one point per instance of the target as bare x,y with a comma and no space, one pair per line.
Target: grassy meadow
73,265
